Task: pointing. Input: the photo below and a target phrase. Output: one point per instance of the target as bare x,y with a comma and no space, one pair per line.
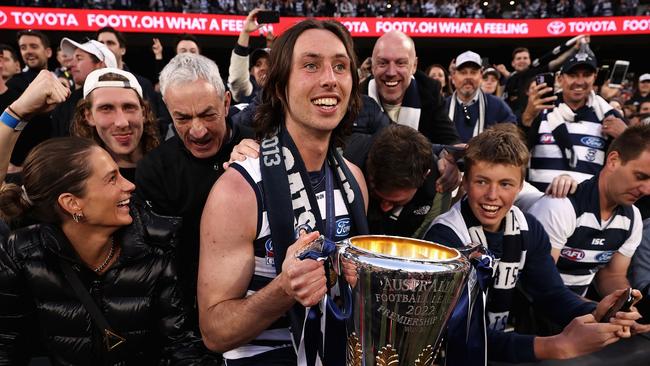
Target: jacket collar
130,239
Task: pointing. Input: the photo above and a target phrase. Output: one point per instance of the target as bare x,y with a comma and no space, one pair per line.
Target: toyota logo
3,18
556,27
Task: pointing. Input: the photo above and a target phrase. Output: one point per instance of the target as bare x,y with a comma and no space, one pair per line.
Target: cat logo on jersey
591,154
270,256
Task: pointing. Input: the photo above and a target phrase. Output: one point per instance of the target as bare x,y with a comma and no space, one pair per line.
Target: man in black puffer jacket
138,296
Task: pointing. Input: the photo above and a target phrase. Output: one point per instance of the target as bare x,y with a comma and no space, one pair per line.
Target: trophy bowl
402,297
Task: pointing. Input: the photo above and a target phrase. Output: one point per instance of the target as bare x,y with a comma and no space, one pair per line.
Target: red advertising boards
231,25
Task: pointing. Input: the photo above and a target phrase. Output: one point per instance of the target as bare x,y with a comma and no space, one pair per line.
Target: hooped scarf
479,125
476,311
562,114
411,108
291,203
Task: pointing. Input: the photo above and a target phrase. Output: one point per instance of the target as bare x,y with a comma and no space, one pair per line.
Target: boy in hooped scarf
495,163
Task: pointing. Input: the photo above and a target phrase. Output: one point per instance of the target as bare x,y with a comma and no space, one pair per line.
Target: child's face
491,190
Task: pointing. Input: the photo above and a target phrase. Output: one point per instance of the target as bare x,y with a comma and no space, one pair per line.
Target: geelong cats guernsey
278,334
581,130
586,242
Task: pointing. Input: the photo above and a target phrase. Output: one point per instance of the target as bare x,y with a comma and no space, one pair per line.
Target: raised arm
238,74
41,96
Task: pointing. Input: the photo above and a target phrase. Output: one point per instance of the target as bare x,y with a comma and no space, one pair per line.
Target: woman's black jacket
138,296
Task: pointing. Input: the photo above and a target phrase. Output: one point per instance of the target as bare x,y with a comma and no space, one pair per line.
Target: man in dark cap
575,126
247,71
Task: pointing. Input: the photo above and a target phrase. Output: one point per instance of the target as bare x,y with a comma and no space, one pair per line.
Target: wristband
15,113
11,121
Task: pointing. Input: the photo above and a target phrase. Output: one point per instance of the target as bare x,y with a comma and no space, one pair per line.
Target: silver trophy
403,291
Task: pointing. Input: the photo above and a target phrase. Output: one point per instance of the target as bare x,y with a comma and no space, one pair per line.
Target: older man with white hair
176,177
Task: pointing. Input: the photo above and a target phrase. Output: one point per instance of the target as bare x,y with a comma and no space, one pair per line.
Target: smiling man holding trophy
267,290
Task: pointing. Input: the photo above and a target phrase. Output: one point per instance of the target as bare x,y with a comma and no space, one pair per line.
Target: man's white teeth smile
328,102
391,83
490,208
123,202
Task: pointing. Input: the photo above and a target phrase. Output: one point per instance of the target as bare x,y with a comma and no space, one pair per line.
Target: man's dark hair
120,37
45,40
519,50
270,113
186,37
399,157
6,47
631,143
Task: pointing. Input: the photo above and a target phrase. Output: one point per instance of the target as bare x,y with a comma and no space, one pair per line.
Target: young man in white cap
114,113
470,109
86,57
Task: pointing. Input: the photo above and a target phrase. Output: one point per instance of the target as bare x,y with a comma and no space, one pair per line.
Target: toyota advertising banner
231,25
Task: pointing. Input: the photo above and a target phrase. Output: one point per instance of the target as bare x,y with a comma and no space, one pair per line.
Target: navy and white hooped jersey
547,160
278,334
586,242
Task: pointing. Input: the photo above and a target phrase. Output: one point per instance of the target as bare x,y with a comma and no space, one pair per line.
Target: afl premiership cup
402,296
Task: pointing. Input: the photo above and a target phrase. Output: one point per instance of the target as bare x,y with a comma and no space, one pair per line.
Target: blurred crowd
369,8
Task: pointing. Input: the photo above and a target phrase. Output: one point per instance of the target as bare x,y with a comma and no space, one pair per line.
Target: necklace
111,252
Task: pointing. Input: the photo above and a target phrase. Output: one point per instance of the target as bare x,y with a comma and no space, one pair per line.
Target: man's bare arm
361,180
613,276
227,317
42,95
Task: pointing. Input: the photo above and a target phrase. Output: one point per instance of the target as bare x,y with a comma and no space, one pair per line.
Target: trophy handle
344,286
472,250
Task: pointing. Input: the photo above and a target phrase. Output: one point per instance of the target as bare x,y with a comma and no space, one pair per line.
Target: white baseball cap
468,56
93,47
92,81
644,77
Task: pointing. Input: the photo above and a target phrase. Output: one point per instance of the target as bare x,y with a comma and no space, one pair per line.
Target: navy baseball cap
582,57
258,54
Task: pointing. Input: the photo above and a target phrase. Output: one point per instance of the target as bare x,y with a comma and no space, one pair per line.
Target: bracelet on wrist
13,111
15,123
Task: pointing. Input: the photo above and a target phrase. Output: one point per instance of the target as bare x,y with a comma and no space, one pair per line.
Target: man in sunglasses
469,108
